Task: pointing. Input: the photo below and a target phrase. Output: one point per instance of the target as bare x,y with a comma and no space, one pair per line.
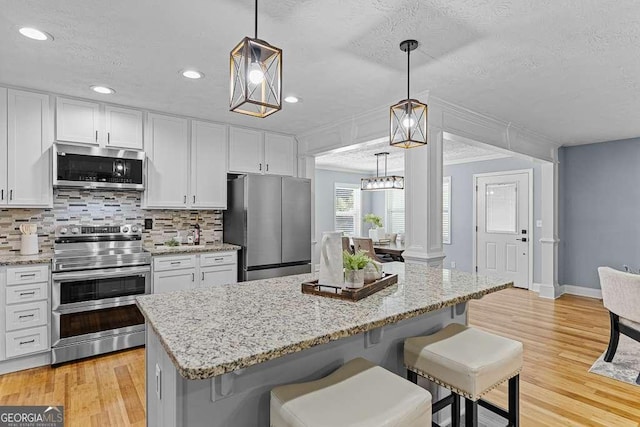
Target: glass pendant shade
386,182
256,78
408,124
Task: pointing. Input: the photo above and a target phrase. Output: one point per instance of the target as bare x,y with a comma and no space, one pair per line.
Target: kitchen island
213,354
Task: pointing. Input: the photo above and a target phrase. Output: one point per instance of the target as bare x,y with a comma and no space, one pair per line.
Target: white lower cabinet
179,272
26,313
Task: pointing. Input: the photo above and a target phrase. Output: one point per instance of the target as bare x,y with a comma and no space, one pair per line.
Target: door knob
524,239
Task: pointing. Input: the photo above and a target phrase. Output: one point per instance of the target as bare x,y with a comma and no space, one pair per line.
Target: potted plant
376,233
354,265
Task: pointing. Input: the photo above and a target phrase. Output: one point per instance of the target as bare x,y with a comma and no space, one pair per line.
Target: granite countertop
14,258
186,249
211,331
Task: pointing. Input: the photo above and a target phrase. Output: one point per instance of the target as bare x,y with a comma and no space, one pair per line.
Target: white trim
447,179
476,159
581,291
545,291
529,172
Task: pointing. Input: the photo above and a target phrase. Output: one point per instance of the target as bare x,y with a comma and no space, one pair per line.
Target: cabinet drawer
26,293
173,262
27,315
218,258
219,275
28,274
27,341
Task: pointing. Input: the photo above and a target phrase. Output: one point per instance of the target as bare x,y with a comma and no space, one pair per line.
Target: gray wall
325,180
599,209
461,248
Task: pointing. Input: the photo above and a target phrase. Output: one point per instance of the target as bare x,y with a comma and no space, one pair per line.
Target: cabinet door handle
28,342
175,262
108,137
260,166
267,167
194,198
10,194
28,275
2,194
96,136
185,200
25,316
193,277
203,275
27,293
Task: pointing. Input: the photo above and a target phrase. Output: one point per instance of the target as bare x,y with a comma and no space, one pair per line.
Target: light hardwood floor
561,339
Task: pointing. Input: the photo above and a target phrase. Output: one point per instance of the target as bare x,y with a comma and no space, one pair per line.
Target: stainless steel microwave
97,168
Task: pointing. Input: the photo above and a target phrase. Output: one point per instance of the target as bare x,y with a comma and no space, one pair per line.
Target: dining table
393,249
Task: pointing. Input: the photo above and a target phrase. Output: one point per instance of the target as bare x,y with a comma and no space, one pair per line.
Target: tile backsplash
101,208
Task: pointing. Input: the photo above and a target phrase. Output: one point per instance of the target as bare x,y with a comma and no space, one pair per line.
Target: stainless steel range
97,273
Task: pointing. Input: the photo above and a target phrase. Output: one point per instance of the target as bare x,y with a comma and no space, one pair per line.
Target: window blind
446,210
347,209
395,211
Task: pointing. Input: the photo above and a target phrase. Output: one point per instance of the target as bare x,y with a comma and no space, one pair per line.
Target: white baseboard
545,291
27,362
581,291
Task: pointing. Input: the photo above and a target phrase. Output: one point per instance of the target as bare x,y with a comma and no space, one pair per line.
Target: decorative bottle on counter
196,234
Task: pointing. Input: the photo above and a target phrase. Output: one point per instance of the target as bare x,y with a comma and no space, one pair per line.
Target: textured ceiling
361,157
568,70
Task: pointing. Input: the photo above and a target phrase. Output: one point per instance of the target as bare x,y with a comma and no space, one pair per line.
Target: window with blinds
395,211
347,209
446,210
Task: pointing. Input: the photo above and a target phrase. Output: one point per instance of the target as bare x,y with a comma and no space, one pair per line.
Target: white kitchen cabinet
279,154
77,121
28,163
173,280
208,165
96,124
220,275
253,151
123,127
245,150
27,341
167,148
4,192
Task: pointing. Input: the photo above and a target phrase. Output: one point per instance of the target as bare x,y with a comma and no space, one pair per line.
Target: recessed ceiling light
291,99
35,34
192,74
103,90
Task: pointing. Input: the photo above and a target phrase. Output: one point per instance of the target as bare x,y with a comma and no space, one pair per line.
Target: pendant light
409,116
256,76
385,182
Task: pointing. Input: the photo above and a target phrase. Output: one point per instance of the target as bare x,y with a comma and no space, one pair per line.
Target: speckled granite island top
212,331
190,249
14,258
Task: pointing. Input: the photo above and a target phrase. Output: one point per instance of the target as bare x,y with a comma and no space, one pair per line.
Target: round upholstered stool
359,393
469,362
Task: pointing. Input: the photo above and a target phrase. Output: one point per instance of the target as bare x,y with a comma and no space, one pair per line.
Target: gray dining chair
362,244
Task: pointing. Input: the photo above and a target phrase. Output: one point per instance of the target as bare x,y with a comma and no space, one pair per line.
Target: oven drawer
29,274
163,263
26,293
218,258
27,341
21,316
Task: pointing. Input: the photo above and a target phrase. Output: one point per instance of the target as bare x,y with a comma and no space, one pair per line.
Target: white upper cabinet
28,163
77,121
123,127
245,150
85,122
279,154
208,165
167,149
253,151
4,193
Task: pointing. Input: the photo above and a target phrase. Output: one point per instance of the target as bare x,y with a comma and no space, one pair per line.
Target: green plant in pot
354,265
376,233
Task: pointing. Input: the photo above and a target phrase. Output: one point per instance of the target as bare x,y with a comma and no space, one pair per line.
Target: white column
549,288
423,198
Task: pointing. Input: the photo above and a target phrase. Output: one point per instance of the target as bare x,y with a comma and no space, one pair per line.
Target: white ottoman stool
359,393
469,362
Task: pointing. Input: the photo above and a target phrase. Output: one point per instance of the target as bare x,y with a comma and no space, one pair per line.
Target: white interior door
502,226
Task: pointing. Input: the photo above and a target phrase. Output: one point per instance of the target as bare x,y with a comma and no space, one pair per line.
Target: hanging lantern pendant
408,118
256,76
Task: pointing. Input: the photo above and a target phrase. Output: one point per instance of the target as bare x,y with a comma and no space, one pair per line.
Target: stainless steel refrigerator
270,217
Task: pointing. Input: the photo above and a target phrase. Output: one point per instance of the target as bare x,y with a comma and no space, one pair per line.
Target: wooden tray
350,294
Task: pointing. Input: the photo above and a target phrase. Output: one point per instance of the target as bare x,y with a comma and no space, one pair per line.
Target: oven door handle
93,307
101,274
